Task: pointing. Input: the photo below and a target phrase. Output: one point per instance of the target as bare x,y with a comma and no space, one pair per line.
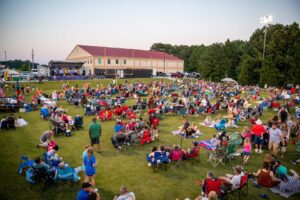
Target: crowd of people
188,98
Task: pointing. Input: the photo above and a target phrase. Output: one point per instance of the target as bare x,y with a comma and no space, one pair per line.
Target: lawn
116,168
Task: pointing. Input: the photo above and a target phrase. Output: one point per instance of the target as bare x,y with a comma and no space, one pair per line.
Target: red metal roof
121,52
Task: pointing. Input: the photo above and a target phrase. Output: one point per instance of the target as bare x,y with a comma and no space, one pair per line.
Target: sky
53,27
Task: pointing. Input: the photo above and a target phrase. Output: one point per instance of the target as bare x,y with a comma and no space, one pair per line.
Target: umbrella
228,80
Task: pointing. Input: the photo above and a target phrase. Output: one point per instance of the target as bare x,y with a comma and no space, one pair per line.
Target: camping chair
195,156
40,175
213,185
221,125
182,112
216,157
177,158
66,175
243,185
146,137
24,164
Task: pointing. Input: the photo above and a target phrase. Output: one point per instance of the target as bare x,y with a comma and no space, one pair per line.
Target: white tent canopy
229,80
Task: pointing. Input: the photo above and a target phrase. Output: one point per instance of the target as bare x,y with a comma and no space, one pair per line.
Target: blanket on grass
283,194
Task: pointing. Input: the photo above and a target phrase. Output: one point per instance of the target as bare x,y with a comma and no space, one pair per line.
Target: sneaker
294,162
149,164
260,151
256,150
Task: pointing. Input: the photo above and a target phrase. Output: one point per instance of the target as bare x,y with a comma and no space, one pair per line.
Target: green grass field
116,168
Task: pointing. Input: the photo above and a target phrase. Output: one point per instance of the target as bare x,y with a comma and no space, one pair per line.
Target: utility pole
266,21
32,58
5,58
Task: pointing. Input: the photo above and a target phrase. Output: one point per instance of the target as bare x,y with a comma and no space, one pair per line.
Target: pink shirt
247,147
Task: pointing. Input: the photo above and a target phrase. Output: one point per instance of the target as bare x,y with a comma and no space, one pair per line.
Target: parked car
25,75
161,74
195,75
177,75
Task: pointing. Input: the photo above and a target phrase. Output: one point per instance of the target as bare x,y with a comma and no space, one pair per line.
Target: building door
154,71
120,73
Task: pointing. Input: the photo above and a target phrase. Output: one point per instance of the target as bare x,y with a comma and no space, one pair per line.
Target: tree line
243,60
22,65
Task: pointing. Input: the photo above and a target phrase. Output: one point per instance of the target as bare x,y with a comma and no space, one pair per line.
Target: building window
117,61
99,61
91,61
124,61
108,61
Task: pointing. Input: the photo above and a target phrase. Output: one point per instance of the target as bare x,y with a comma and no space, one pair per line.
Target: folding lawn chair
176,159
243,186
24,164
216,157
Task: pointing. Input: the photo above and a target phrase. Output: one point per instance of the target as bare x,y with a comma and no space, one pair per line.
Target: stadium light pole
266,20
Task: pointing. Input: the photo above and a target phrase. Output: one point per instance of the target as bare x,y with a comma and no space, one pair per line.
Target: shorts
95,141
257,140
273,146
245,153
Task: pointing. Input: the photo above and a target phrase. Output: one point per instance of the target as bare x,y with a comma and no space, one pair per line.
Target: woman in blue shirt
89,161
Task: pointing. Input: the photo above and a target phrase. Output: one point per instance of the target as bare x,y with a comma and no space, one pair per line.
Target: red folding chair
213,185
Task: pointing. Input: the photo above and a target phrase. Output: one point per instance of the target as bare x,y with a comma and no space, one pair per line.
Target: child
246,133
246,150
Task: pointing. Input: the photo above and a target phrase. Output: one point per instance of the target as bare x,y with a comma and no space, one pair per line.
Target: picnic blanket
206,144
178,132
209,126
283,194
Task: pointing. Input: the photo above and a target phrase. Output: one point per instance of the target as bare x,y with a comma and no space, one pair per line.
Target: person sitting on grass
53,156
265,176
45,138
233,181
4,123
124,194
215,142
21,122
289,183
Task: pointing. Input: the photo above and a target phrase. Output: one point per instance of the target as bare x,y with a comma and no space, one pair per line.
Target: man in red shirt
258,130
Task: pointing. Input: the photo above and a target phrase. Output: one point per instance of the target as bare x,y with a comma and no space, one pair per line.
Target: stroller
57,128
78,122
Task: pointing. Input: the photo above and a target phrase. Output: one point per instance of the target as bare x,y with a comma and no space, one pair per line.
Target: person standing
89,161
275,138
283,114
95,133
258,130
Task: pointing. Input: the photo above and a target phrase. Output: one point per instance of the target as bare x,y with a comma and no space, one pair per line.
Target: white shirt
236,180
128,196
